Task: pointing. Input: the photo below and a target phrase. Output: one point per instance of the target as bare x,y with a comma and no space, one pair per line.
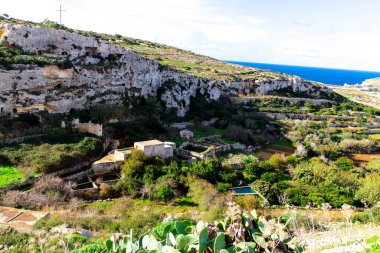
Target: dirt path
340,239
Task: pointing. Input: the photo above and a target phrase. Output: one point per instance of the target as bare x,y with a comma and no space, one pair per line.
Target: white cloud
286,32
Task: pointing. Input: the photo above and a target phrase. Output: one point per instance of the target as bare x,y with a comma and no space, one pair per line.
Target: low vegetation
9,57
47,191
42,156
167,56
321,173
10,175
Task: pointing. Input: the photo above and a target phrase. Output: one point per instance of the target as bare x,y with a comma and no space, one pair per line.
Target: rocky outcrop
246,100
95,71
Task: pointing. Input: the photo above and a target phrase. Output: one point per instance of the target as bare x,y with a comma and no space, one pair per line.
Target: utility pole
60,15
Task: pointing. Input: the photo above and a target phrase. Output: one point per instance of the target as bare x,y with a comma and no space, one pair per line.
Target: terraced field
363,157
266,152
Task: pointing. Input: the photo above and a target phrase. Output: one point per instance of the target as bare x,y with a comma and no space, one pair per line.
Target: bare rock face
94,71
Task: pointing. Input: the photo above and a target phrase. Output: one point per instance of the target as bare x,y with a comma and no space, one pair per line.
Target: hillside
367,93
103,136
62,69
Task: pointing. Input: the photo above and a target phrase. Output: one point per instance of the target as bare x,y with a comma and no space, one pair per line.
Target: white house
156,148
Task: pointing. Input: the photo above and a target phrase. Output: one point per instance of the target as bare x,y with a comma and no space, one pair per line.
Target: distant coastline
323,75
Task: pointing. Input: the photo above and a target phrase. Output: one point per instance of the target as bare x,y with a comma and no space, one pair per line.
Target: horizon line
302,66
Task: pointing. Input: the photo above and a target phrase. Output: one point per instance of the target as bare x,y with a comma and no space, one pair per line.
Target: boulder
187,134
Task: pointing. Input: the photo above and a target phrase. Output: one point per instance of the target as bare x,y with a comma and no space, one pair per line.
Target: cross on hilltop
60,15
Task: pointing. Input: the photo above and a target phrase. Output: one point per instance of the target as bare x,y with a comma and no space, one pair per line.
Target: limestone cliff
70,70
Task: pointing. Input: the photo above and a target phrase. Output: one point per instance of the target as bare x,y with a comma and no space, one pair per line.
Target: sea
323,75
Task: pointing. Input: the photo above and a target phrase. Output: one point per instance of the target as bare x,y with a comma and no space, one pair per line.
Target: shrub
50,24
106,190
77,238
296,197
48,191
291,160
313,172
262,187
223,187
134,164
91,248
239,134
208,169
358,146
165,193
369,215
151,173
370,191
248,202
251,172
202,192
373,165
270,177
90,144
344,163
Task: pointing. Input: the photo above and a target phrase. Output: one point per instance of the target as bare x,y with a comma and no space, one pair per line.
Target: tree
370,191
208,169
134,164
262,187
301,151
223,187
202,192
165,193
250,172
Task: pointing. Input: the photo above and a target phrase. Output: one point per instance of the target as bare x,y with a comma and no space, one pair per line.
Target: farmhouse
116,157
156,148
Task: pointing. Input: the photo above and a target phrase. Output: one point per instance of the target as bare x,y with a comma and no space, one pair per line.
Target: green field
374,136
283,143
202,133
10,175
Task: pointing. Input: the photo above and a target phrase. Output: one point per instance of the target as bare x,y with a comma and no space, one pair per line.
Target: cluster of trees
343,109
282,180
299,181
153,178
318,140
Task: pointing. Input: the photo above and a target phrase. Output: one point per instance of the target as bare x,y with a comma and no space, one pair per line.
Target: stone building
96,129
111,161
156,148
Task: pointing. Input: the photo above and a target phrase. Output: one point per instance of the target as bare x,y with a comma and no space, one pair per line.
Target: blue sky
324,33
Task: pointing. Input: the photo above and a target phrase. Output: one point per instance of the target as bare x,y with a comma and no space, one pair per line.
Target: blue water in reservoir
323,75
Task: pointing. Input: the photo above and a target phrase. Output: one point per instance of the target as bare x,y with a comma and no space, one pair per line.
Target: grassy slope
51,153
359,96
175,58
